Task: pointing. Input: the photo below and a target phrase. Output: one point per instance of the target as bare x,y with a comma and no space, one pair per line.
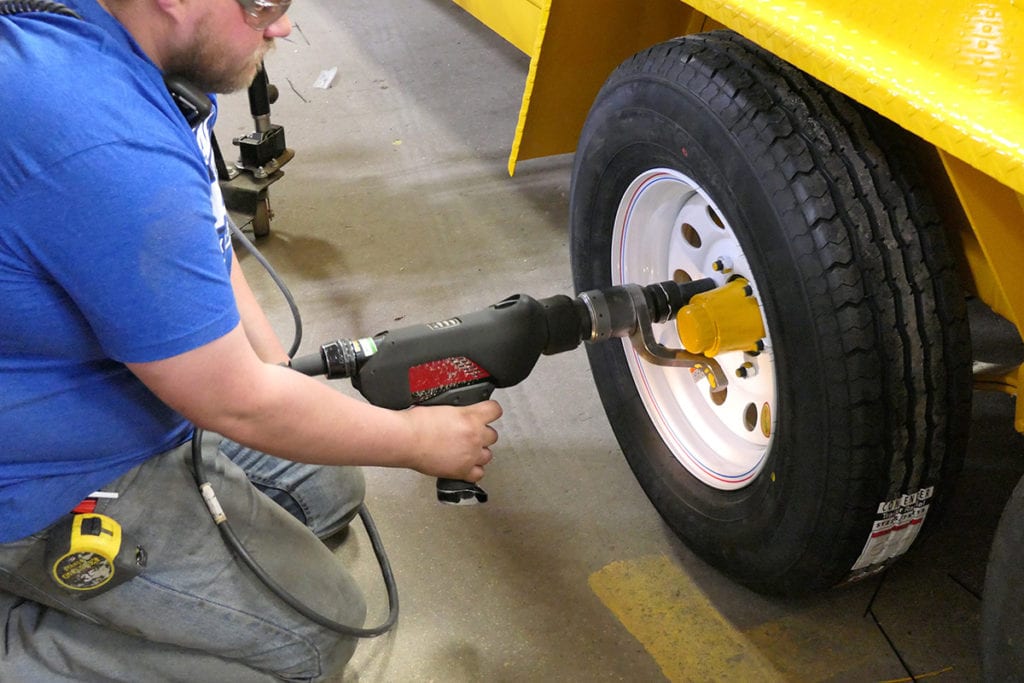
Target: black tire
1002,613
865,398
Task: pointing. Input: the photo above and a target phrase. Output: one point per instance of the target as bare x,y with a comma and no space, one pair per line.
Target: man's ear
176,10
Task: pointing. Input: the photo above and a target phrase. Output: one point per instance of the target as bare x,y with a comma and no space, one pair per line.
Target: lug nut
747,369
722,264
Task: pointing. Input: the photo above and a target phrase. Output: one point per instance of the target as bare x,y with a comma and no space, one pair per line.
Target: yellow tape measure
88,553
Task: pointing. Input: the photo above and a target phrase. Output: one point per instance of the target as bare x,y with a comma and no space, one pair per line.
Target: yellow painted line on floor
676,623
921,677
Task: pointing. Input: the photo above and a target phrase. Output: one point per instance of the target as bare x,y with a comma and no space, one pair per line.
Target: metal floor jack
246,183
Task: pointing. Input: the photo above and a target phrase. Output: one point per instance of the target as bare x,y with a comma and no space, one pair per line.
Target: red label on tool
448,373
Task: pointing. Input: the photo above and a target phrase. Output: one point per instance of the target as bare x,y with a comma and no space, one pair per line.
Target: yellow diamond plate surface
951,71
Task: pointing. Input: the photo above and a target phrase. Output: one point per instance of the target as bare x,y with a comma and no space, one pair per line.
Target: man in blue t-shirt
125,320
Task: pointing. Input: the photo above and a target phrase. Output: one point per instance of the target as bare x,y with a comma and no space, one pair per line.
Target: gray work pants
196,613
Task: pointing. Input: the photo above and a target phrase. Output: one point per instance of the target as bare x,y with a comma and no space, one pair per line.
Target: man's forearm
223,386
282,412
258,330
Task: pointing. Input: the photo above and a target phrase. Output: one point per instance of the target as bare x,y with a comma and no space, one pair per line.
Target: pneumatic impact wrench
462,360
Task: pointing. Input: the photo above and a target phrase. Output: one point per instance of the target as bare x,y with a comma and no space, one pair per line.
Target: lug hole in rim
715,218
680,276
766,420
750,414
691,236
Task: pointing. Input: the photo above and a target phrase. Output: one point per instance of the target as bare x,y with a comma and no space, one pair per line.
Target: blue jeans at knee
324,498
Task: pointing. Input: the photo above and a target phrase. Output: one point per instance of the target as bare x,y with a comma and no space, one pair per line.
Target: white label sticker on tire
895,528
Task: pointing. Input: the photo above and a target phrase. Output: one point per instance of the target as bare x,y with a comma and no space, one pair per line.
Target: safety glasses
260,14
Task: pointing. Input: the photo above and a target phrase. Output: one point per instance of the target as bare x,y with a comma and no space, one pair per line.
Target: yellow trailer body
951,72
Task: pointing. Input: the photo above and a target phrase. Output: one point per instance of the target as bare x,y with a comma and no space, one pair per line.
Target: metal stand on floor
246,184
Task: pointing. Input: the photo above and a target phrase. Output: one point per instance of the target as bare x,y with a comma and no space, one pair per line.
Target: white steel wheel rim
667,228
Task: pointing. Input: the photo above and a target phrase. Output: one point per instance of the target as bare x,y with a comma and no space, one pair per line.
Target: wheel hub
667,227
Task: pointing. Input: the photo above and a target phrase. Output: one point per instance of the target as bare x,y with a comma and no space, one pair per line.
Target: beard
207,64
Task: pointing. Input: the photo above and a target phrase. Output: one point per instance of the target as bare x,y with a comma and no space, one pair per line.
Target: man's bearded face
213,64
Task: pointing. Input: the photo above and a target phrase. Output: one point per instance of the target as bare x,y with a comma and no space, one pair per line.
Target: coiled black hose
10,7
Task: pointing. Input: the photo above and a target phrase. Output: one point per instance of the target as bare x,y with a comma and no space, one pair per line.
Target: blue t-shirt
112,250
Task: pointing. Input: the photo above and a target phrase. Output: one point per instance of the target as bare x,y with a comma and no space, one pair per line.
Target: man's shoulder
47,48
65,67
75,88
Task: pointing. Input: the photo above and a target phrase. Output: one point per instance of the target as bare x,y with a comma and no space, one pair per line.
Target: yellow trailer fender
951,73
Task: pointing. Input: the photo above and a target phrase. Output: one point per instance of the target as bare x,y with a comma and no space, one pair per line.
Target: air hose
236,545
11,7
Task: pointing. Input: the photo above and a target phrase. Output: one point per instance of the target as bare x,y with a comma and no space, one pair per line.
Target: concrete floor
397,209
